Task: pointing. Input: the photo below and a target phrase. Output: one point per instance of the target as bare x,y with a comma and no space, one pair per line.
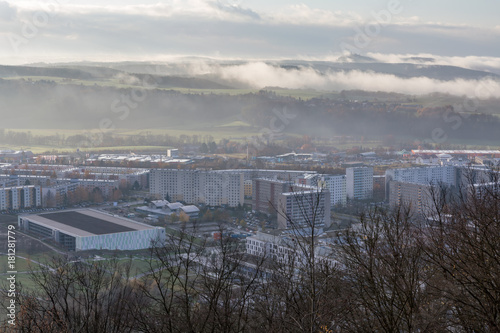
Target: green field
137,266
21,265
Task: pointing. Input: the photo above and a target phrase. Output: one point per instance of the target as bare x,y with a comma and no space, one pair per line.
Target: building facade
359,183
212,188
336,185
304,209
266,193
415,197
80,230
20,197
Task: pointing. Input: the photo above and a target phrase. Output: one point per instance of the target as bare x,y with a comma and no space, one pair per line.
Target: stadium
88,229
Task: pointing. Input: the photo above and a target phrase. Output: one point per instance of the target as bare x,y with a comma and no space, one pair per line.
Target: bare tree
303,293
77,296
197,286
388,276
464,244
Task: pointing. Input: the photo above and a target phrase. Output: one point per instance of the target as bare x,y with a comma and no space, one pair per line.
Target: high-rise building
424,175
415,197
266,192
336,185
20,197
304,209
359,183
213,188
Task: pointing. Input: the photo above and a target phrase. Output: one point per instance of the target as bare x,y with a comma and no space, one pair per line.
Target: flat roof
86,222
462,152
190,209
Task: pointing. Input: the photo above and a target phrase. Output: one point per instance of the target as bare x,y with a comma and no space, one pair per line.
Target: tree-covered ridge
76,106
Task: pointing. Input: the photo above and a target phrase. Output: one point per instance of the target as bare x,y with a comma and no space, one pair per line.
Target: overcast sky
66,30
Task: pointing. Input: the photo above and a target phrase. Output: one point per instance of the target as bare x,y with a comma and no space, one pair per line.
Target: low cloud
260,75
470,62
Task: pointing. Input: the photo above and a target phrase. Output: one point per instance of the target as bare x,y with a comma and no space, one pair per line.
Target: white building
359,183
427,159
413,186
286,175
284,248
213,188
20,197
300,209
106,186
128,175
57,192
87,229
423,175
173,153
336,185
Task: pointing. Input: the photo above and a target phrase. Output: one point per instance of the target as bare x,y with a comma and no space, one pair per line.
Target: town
247,201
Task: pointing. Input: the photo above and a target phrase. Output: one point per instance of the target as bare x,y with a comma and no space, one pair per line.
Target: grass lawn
138,266
21,265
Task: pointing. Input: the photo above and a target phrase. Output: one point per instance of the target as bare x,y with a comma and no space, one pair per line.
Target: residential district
102,202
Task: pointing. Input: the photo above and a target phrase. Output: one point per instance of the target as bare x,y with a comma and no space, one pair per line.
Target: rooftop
190,209
86,222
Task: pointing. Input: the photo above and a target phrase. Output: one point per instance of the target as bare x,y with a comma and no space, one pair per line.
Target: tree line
75,106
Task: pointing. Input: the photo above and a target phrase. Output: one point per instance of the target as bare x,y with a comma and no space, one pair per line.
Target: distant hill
405,70
356,58
180,73
90,73
12,71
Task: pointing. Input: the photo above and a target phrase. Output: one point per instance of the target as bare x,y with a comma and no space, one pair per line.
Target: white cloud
211,9
260,74
470,62
303,14
226,28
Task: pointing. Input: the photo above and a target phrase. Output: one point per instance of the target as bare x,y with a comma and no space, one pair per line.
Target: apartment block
266,193
20,197
302,209
416,197
213,188
359,183
336,185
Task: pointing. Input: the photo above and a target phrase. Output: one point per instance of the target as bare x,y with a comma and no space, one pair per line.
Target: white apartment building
286,175
424,175
336,185
413,186
299,209
58,192
129,175
213,188
263,244
20,197
284,248
106,186
359,183
224,188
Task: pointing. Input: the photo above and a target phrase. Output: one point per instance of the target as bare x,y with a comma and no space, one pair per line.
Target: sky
455,31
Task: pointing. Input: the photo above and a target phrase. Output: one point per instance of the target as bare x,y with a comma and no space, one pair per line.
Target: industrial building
88,229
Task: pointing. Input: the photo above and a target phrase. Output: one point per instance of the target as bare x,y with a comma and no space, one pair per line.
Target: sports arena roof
86,222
